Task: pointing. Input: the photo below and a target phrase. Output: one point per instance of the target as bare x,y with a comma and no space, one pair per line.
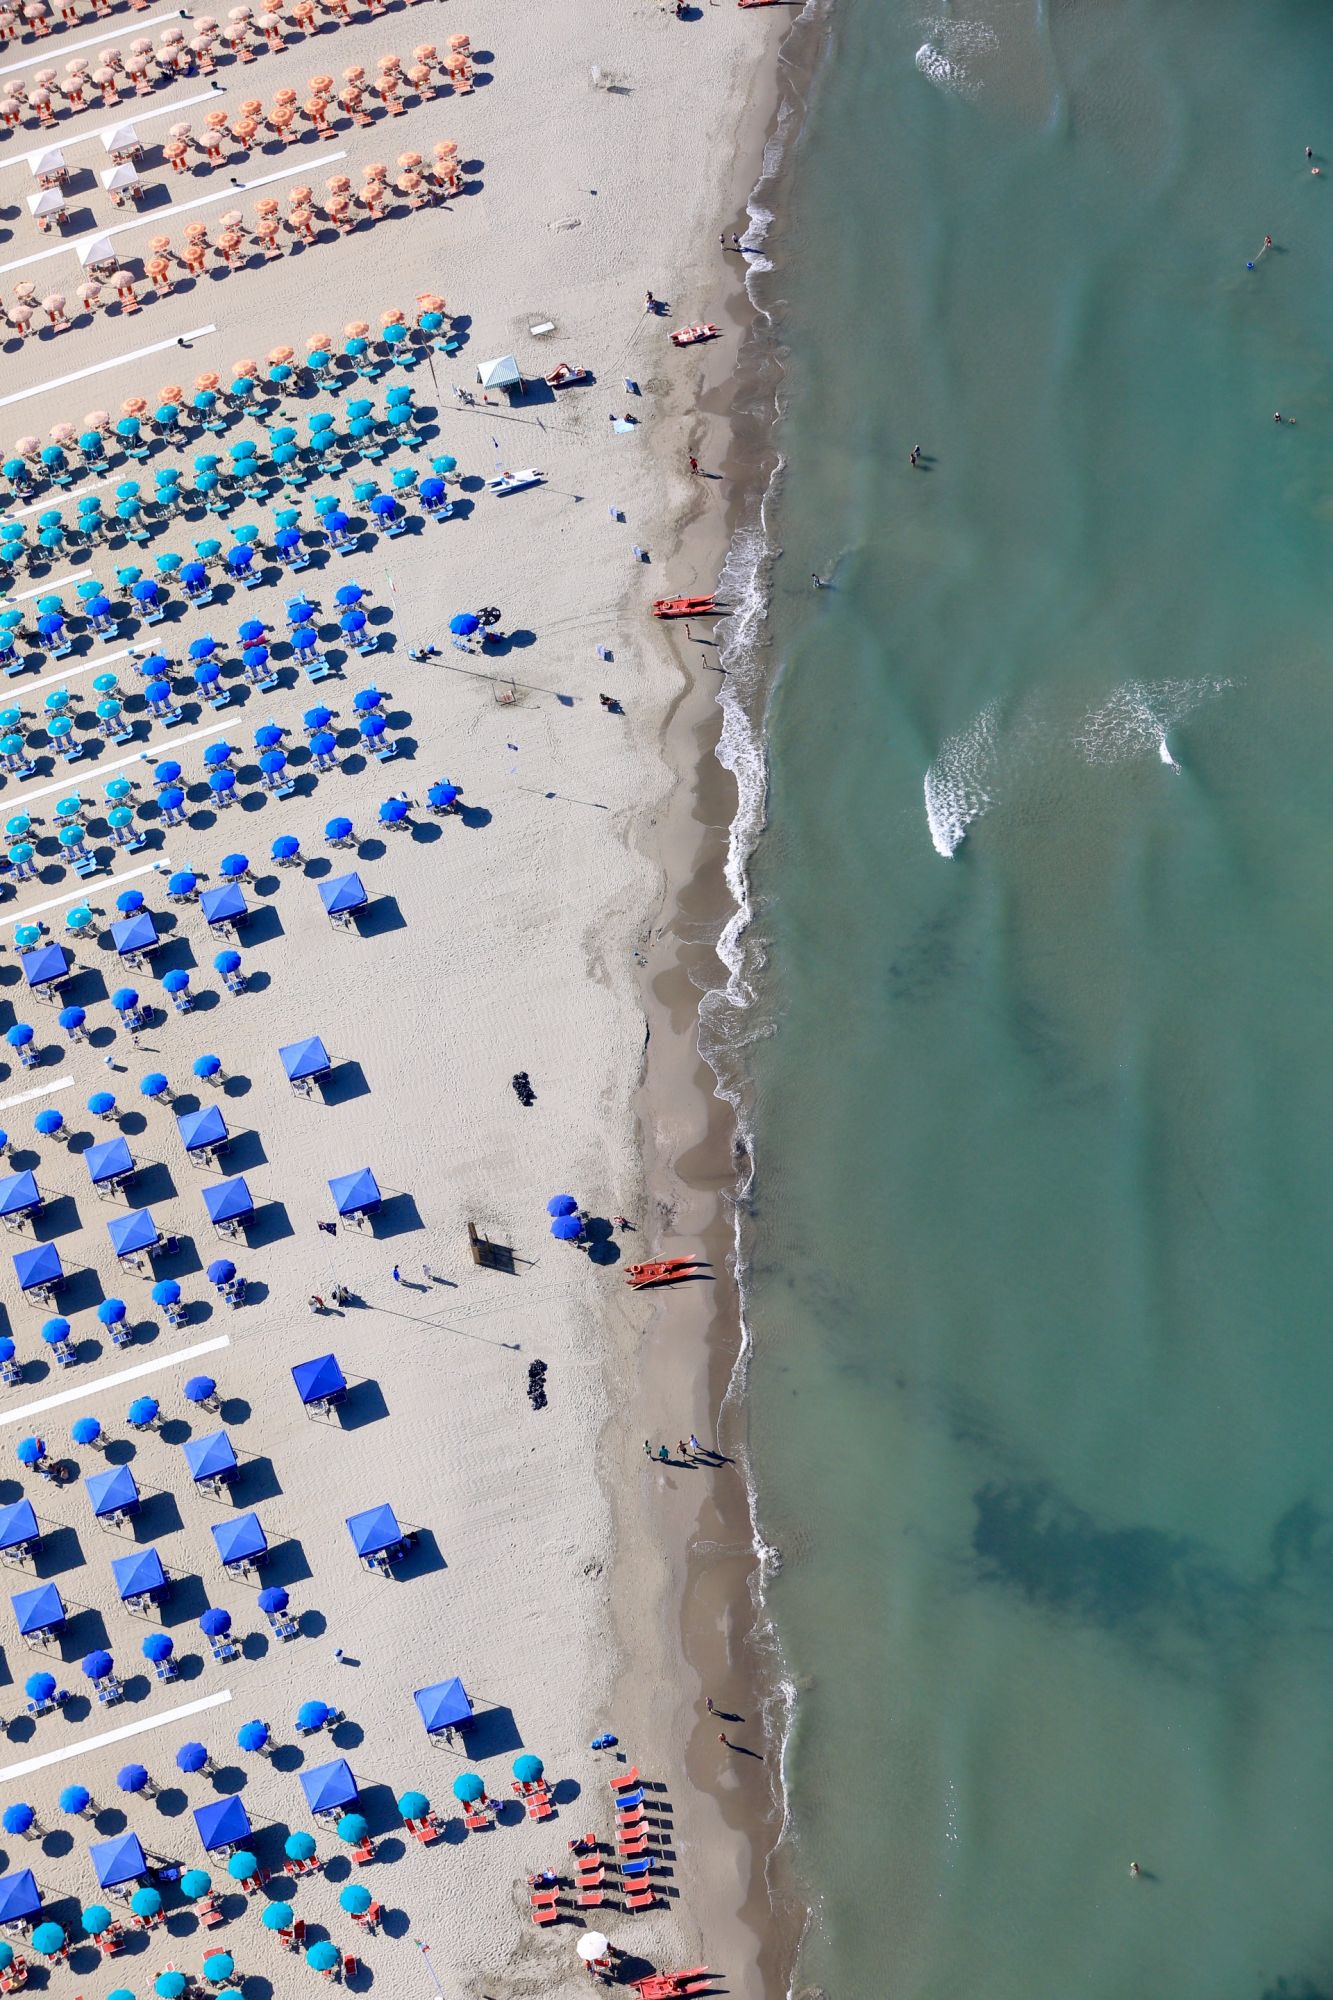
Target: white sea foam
959,784
947,59
1136,719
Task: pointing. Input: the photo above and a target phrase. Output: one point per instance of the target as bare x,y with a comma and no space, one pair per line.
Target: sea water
1037,1022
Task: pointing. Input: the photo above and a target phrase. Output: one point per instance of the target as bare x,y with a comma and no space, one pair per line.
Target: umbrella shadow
60,1550
158,1515
270,1224
397,1215
364,1404
287,1564
58,1216
493,1733
345,1081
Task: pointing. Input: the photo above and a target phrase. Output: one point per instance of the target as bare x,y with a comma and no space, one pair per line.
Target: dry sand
507,940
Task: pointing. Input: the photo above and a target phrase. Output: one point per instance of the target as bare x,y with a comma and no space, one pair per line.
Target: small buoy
1134,1868
1250,266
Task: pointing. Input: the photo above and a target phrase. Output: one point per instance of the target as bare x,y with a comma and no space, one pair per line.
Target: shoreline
696,1154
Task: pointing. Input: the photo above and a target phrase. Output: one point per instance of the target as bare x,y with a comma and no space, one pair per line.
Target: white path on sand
63,48
136,118
38,1090
153,217
27,795
85,1744
95,1386
78,668
79,895
41,589
98,367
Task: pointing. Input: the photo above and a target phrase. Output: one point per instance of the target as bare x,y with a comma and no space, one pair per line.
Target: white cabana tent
502,373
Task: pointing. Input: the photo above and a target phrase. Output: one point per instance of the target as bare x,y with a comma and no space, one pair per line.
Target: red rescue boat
685,607
663,1271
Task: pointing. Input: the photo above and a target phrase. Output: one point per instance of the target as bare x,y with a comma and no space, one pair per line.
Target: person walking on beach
649,303
664,1454
397,1275
694,463
647,1449
694,1443
723,1741
711,1708
683,1449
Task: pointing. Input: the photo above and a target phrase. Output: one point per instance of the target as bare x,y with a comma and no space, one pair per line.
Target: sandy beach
515,936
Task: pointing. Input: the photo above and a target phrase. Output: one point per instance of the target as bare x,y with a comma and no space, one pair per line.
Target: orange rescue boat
684,607
685,336
663,1271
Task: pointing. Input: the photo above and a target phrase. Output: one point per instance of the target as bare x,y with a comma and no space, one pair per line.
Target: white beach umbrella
592,1945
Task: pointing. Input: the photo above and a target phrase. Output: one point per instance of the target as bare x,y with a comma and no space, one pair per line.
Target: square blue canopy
224,905
39,1266
39,1610
18,1193
377,1528
210,1457
318,1379
343,892
139,1575
229,1200
49,962
120,1859
18,1524
307,1058
222,1823
355,1194
109,1161
135,1231
110,1491
18,1896
240,1539
136,933
329,1786
444,1706
201,1128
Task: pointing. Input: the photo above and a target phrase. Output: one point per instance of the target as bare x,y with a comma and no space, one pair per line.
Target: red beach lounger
625,1782
641,1899
546,1915
591,1900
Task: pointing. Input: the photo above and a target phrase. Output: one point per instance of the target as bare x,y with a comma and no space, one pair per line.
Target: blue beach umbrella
157,1646
85,1430
191,1757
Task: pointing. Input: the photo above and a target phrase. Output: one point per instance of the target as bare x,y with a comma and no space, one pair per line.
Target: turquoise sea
1041,1233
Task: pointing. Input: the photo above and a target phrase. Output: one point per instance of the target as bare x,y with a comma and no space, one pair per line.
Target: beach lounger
540,1809
625,1800
364,1853
476,1821
546,1915
426,1830
641,1899
542,1898
637,1867
210,1916
626,1781
631,1850
591,1899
